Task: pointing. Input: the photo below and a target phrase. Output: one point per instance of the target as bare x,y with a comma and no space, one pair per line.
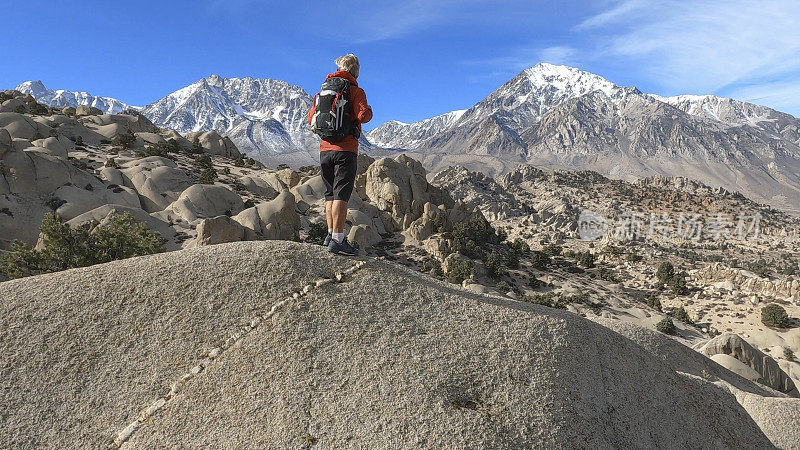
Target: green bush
665,272
666,326
680,314
111,162
677,284
552,249
37,109
773,315
65,247
585,259
520,247
653,301
5,96
496,265
208,176
458,270
607,274
559,301
317,233
197,149
436,270
633,257
788,353
540,260
472,236
549,299
124,140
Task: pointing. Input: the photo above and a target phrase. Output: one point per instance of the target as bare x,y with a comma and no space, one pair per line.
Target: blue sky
419,58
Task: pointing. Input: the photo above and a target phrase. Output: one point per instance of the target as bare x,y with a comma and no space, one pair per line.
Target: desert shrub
760,268
197,149
317,233
458,270
666,326
535,283
203,161
520,247
436,269
549,299
65,247
677,284
512,258
502,287
653,301
552,249
633,257
614,250
124,140
78,141
5,96
111,162
496,265
680,314
788,353
20,109
560,301
665,272
123,237
540,260
36,136
208,175
502,235
37,109
607,274
585,259
471,237
438,223
773,315
239,162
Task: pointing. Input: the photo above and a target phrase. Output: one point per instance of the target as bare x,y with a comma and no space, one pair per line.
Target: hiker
336,116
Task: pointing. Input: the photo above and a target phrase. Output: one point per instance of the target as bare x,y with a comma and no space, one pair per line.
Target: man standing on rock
336,116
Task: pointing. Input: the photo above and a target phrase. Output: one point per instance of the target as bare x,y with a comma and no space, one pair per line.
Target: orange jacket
361,110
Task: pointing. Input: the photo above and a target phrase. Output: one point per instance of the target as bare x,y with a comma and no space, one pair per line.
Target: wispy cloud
518,59
782,95
702,46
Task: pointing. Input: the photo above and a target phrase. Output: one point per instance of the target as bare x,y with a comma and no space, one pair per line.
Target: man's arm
311,111
361,109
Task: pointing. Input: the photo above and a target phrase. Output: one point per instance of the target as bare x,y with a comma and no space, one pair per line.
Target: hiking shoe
343,248
327,240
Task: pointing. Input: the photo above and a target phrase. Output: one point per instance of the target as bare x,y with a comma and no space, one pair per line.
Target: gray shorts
339,173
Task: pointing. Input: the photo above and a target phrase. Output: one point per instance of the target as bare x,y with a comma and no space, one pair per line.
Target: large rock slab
158,181
769,370
387,358
201,201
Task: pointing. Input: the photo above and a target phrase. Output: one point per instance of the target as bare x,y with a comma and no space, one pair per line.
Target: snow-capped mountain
265,118
62,98
564,118
406,135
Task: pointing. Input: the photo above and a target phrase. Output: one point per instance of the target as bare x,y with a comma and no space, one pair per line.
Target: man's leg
339,215
329,215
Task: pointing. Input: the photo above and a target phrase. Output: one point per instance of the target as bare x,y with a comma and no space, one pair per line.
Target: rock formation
277,353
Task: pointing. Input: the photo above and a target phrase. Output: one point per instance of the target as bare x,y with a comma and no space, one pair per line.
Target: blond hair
348,62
